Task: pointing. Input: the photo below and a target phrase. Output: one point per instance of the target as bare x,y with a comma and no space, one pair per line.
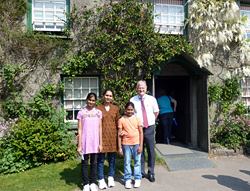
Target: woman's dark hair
162,92
129,104
90,95
105,91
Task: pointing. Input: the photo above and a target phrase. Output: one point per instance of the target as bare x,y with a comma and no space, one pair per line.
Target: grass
62,176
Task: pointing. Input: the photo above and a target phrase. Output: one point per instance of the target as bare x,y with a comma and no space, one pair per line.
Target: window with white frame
75,94
245,11
245,85
48,15
169,16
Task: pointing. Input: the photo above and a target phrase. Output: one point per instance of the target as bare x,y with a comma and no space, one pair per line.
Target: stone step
181,157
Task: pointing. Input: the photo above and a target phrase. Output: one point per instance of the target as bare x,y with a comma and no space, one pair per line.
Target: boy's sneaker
111,182
93,187
137,183
102,184
86,187
128,184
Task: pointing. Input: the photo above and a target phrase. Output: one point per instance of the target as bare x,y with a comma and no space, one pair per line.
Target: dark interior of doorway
179,89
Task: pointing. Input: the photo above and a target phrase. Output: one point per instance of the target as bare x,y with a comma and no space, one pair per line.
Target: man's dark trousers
149,142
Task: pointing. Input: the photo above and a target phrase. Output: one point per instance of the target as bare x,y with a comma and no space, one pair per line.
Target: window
169,16
48,15
245,84
245,11
75,94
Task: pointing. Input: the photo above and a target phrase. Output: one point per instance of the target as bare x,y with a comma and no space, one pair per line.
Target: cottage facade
182,77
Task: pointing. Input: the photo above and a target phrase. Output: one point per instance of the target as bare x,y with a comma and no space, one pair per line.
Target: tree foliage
217,32
118,41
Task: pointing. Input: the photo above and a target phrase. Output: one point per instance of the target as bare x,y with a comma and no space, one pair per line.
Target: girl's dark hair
105,91
90,95
129,104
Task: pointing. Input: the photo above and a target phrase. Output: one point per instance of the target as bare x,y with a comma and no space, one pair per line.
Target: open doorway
179,88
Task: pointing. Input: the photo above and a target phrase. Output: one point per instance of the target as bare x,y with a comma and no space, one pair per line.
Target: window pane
38,15
94,91
172,20
77,93
85,82
83,104
165,9
244,91
49,5
38,5
68,84
172,10
158,19
60,16
76,112
68,105
49,26
165,19
171,28
60,27
69,115
37,26
77,83
68,93
60,6
157,9
179,20
179,10
49,15
165,29
85,93
93,82
77,104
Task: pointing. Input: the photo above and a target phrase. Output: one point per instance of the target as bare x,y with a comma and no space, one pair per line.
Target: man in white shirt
146,108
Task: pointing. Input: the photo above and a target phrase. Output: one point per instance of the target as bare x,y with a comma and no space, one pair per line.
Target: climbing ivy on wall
118,41
226,94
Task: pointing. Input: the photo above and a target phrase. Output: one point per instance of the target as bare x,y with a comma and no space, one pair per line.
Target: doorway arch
187,82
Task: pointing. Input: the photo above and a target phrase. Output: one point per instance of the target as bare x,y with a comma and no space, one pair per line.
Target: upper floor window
76,92
48,15
245,11
169,16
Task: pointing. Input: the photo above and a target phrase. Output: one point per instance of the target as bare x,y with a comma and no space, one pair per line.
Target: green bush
233,132
32,143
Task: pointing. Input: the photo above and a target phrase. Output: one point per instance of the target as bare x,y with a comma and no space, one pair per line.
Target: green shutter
29,15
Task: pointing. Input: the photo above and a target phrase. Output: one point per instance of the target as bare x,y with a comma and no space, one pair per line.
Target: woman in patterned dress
110,119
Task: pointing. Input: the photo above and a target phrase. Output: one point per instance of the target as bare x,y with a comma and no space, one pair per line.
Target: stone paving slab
188,163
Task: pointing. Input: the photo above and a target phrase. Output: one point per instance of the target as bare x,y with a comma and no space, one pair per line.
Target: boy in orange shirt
132,143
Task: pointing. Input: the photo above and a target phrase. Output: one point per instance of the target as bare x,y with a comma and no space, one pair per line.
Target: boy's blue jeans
127,151
100,163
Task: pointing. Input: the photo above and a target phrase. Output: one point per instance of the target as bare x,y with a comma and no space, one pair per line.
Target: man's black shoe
144,175
151,178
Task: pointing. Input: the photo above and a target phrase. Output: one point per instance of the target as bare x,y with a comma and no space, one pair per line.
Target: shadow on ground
245,171
230,182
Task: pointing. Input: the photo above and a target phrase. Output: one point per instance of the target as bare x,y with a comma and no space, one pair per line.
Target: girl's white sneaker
93,187
102,184
111,182
128,184
86,187
137,183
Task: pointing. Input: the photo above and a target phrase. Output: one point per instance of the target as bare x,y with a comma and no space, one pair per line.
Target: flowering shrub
28,143
233,132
